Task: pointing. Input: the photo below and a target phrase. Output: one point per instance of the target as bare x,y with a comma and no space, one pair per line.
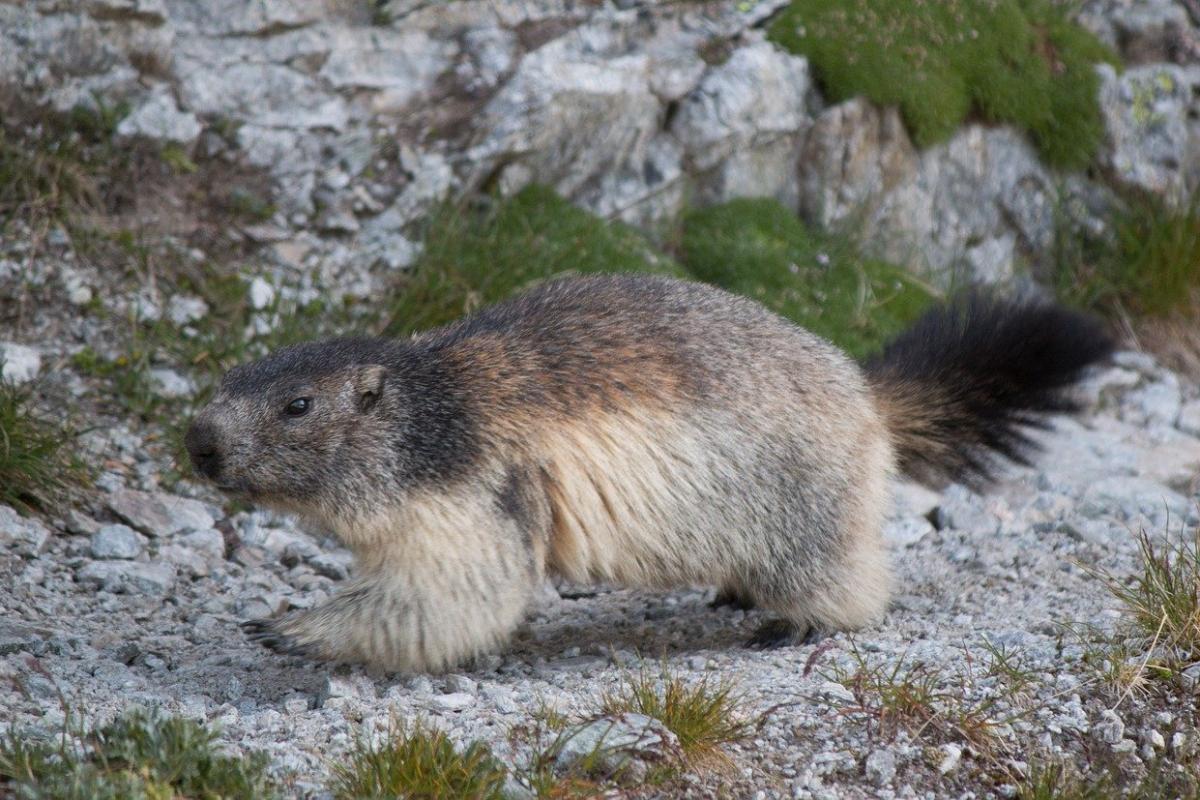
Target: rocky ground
292,150
997,609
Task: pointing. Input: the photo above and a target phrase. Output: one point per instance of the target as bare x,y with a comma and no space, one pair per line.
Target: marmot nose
201,443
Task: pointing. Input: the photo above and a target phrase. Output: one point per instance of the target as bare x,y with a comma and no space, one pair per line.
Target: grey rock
578,114
185,308
26,535
981,200
455,701
170,384
1189,418
614,740
208,542
187,560
881,767
1153,143
159,514
1111,729
1157,403
951,757
1127,499
741,127
397,66
502,698
158,117
854,155
117,541
127,577
16,637
461,684
1144,32
19,363
906,531
964,510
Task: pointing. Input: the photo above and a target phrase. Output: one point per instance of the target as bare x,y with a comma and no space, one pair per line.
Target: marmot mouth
235,488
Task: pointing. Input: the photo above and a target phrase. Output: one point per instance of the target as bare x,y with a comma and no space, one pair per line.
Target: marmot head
305,424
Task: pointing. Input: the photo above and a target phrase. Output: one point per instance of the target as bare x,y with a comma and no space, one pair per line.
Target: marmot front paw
267,633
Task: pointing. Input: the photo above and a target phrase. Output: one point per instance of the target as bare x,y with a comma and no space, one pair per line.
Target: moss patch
139,756
762,250
475,258
1023,62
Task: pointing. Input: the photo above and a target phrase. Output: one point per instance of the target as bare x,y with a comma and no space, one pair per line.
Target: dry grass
419,763
704,715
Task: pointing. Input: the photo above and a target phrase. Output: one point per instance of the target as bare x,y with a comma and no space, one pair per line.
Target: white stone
170,384
21,363
117,541
262,294
185,308
159,118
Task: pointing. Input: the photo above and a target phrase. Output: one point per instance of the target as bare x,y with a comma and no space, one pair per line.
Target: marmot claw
264,632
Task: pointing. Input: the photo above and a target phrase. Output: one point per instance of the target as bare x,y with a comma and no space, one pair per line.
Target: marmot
636,430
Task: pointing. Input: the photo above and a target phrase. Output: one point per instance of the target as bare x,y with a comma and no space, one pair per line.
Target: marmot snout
635,430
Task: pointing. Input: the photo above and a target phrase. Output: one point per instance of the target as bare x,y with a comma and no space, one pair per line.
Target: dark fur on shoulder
960,387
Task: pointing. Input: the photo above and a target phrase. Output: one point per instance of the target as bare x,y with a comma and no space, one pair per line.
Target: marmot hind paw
775,633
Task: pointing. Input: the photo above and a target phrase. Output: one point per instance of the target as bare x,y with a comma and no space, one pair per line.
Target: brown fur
633,430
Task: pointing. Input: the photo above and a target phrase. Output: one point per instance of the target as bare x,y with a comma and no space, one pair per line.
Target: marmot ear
369,385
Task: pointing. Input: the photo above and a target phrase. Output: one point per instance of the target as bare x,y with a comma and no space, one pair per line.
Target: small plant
1162,601
1150,265
1023,62
418,762
1058,780
1009,666
762,250
702,715
921,699
473,258
36,465
139,755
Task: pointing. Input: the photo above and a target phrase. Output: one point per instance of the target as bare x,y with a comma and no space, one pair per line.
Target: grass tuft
473,258
1023,62
1162,604
925,701
703,715
36,465
1058,780
762,250
1150,265
139,755
418,762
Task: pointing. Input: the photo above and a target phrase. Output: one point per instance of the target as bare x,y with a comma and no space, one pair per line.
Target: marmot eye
298,407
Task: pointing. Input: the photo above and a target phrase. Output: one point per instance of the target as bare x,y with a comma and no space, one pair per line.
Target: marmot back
636,430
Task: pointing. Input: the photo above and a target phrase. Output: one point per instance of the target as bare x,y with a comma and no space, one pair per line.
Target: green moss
1149,265
761,249
36,465
140,756
475,258
1023,62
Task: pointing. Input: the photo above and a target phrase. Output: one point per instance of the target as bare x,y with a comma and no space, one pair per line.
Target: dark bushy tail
960,387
